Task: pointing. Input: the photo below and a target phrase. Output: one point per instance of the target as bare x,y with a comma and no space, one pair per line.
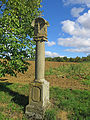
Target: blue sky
69,30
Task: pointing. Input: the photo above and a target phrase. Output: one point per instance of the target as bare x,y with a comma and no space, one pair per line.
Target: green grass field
13,99
80,71
14,96
75,102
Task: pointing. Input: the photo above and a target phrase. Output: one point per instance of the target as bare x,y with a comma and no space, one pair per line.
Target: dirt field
53,79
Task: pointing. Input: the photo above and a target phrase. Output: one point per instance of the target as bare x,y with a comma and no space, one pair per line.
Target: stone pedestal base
38,100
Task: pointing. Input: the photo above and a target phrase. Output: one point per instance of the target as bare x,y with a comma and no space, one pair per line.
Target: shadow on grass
19,99
3,79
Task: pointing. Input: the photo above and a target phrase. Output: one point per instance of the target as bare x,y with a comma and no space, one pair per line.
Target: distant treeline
65,59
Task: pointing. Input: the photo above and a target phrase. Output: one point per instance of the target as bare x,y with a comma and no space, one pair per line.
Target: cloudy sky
69,30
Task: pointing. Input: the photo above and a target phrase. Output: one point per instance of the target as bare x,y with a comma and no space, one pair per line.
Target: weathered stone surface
40,29
40,61
39,88
36,94
39,93
38,106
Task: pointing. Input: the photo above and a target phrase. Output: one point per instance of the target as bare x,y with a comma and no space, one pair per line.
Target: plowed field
29,76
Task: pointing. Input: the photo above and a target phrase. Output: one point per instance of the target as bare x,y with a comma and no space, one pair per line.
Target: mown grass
80,71
50,71
14,98
75,102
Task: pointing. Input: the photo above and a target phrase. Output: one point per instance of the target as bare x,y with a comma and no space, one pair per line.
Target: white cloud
68,26
84,20
79,31
52,54
81,2
51,43
80,27
75,12
74,42
85,50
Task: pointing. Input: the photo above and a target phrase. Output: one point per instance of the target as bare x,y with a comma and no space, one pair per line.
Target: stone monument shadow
3,79
19,99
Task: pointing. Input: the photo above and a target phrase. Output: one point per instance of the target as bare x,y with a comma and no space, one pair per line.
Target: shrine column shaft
40,60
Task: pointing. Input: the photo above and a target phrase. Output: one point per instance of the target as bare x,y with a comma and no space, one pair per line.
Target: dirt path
53,79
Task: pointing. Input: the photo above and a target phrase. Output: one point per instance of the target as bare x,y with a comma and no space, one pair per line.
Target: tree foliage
15,30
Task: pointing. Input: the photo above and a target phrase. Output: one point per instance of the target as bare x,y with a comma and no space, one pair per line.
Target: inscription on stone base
36,94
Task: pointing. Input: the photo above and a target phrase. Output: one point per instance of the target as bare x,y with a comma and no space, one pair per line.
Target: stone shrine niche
40,28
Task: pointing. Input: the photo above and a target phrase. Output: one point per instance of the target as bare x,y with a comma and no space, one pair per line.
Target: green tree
77,59
48,59
15,33
84,59
88,57
71,59
65,59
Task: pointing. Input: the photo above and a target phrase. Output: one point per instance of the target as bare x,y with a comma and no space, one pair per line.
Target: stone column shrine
39,88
